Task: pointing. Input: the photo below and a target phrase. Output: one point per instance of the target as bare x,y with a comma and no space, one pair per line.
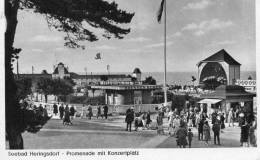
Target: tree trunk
14,121
15,138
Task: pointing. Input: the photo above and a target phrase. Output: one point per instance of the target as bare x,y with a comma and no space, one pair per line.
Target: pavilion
226,97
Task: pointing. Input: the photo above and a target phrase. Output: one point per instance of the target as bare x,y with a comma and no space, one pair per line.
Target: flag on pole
160,11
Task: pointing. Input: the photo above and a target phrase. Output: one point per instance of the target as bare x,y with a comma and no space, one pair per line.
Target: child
190,135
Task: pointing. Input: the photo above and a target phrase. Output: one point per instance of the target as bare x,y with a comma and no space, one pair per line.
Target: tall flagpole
164,85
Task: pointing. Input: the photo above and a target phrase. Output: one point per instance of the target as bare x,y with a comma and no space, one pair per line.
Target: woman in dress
206,131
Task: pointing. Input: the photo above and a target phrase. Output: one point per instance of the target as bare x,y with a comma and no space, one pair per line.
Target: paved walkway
110,133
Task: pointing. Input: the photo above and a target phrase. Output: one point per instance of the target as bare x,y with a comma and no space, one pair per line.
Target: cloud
106,47
134,50
37,50
59,49
138,39
207,26
226,42
198,5
155,45
177,34
199,33
44,38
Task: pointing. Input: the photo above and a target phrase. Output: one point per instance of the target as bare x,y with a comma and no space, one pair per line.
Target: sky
196,29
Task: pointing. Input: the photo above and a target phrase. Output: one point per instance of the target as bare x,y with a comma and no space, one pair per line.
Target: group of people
66,113
180,126
140,119
98,114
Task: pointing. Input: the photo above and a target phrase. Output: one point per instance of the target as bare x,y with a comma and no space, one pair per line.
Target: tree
44,72
69,16
62,88
149,81
24,87
45,86
104,77
249,77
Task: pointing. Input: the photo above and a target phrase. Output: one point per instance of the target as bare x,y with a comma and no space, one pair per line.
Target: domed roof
137,71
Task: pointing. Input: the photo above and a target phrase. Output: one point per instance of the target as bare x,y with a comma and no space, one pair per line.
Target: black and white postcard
129,79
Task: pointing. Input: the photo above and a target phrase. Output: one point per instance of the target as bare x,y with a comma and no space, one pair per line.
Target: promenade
110,133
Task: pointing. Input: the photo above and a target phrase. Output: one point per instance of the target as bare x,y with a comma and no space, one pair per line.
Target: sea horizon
176,77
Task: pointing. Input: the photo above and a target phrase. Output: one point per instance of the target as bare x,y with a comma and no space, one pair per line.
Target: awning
211,101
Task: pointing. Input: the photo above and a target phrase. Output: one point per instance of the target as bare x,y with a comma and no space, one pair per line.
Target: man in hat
129,118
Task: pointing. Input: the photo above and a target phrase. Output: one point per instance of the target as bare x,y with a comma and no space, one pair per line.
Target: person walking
206,131
190,136
231,117
181,135
216,131
159,120
193,119
129,119
66,120
214,116
55,109
105,109
222,121
148,120
45,112
200,129
99,112
244,134
61,110
72,112
90,113
170,122
176,124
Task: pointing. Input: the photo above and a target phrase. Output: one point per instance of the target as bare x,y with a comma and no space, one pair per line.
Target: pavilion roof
220,56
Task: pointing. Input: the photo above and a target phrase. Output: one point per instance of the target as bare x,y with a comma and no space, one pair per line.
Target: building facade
220,67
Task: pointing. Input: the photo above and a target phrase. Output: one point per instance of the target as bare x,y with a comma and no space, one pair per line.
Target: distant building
82,81
60,72
220,67
137,74
127,94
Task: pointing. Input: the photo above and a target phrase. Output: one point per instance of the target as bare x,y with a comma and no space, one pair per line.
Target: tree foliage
62,87
24,86
45,86
104,77
75,18
149,81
